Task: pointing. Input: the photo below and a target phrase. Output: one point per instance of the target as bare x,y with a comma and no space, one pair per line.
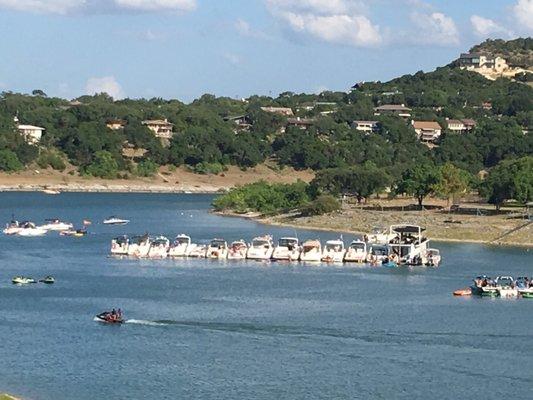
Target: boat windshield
334,246
260,243
160,241
357,246
182,240
218,243
284,242
139,239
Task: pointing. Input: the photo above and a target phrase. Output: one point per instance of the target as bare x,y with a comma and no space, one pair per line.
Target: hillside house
480,63
301,123
366,127
460,125
115,124
393,109
31,134
278,110
160,127
241,122
427,131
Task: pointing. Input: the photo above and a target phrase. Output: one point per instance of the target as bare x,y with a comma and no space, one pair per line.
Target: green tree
419,182
146,168
9,161
453,182
103,166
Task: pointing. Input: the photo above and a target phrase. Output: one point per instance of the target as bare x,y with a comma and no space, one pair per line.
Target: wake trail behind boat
145,322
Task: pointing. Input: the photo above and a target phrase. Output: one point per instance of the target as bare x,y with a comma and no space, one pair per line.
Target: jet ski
110,317
49,280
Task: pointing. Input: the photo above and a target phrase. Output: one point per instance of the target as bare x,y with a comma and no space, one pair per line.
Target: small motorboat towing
110,317
48,280
22,280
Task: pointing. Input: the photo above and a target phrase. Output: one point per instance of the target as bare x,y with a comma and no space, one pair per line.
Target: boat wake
145,322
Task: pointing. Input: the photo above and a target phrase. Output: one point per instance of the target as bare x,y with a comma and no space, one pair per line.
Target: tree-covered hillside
517,52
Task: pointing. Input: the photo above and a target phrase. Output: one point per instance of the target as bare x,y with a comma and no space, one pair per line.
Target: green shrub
103,166
9,161
146,168
52,159
323,204
206,168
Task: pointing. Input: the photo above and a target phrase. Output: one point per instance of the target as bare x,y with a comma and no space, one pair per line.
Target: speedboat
29,229
525,287
115,221
180,247
484,286
333,251
49,280
159,247
261,248
139,246
377,253
218,248
74,232
54,224
110,317
431,258
120,246
198,251
13,228
288,248
311,251
51,191
237,250
22,280
506,287
356,252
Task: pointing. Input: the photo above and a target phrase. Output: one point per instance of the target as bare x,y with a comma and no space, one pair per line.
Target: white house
161,128
31,134
365,126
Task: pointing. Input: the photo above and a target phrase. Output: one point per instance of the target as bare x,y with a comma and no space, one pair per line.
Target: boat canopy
407,229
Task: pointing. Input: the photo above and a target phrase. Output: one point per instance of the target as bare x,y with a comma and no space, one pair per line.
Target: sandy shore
179,180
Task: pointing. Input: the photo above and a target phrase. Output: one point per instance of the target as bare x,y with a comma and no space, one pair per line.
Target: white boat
115,221
380,235
333,251
218,248
237,250
506,287
311,251
29,229
356,252
51,191
159,247
431,258
409,244
22,280
524,286
120,245
54,224
377,253
288,248
139,246
180,247
12,228
261,248
198,251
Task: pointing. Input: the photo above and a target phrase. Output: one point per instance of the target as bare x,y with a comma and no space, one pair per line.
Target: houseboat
356,252
261,248
237,250
159,247
120,245
180,247
408,244
218,248
288,248
380,235
311,251
334,251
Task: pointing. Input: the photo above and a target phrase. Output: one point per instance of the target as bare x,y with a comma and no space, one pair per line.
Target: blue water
246,330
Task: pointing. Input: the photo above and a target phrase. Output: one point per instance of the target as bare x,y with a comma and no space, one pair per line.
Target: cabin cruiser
29,229
408,244
54,224
431,258
120,245
180,247
334,251
22,280
356,252
311,251
218,248
288,248
237,250
159,247
139,246
110,317
115,221
380,235
261,248
525,287
198,251
12,228
377,253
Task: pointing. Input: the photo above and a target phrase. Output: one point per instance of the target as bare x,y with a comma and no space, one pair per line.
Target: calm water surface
246,330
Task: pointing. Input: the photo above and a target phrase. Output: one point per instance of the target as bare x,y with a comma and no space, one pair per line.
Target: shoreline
113,189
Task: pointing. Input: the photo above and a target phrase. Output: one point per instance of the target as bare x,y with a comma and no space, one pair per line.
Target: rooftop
392,107
426,125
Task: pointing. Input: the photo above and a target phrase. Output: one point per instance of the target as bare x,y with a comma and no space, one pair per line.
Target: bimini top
407,228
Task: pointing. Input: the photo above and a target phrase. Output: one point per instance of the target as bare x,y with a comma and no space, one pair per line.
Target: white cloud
523,11
334,21
106,84
485,27
435,28
232,58
63,7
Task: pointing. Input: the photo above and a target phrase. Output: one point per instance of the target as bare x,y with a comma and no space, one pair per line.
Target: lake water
246,330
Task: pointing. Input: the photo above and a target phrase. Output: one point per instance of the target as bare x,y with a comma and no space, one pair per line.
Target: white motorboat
115,221
29,229
237,250
197,251
218,248
288,248
377,253
159,247
180,247
261,248
311,251
506,287
54,224
120,245
525,287
356,252
22,280
51,191
431,258
139,246
334,251
12,228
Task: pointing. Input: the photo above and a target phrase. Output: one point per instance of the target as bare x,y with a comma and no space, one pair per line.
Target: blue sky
184,48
